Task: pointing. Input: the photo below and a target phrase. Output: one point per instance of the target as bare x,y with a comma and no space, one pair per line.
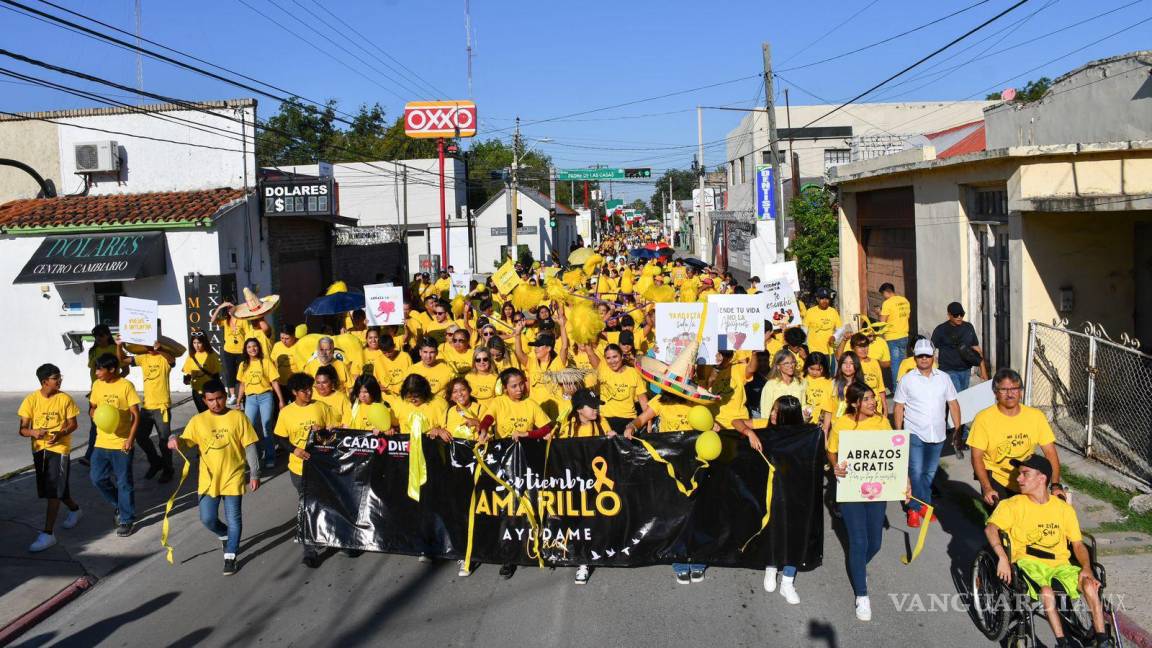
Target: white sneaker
788,591
72,519
231,400
582,573
769,579
425,558
43,541
863,608
462,570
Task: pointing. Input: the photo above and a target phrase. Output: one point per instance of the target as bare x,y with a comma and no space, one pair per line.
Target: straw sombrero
255,307
167,344
677,377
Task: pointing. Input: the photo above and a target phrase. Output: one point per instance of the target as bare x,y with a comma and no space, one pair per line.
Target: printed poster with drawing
384,305
676,326
877,466
779,303
460,282
734,323
139,321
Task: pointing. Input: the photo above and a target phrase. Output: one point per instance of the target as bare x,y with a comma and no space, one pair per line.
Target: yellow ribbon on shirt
767,501
927,511
417,470
171,502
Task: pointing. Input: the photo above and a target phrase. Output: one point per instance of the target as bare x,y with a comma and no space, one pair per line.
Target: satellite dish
1008,94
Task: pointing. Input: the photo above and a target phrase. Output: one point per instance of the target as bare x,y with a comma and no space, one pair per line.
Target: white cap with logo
923,347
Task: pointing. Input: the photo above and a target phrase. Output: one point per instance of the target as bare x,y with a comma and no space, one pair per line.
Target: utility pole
512,228
773,144
555,222
404,232
702,228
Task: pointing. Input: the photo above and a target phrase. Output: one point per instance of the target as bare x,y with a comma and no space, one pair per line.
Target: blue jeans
684,568
959,378
261,411
210,516
864,522
898,350
789,571
111,474
923,460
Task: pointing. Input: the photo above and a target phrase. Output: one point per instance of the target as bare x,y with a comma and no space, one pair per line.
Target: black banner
600,501
202,294
96,257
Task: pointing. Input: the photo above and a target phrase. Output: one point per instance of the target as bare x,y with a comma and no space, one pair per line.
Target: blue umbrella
335,304
643,253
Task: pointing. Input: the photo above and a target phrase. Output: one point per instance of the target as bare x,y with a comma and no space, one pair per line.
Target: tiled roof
118,210
974,142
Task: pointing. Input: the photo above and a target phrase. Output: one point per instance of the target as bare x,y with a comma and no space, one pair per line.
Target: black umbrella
695,263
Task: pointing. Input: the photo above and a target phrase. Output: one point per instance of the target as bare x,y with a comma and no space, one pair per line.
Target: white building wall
496,215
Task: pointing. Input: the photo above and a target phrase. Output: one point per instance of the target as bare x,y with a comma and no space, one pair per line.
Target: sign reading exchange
96,257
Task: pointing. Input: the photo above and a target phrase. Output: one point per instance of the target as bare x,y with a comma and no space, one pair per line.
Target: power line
886,40
827,33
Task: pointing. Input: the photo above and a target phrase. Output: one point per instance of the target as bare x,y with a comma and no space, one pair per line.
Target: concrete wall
34,143
1112,102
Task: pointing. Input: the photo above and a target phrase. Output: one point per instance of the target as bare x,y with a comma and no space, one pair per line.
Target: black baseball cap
822,293
955,309
585,397
1035,462
544,339
627,338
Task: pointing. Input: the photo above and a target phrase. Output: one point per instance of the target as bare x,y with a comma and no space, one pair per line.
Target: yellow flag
505,278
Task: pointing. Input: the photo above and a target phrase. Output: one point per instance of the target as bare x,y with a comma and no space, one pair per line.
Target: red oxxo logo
440,119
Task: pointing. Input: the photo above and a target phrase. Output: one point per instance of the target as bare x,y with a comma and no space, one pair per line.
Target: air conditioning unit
97,157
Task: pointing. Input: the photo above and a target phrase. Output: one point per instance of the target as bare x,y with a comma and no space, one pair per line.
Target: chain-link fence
1096,393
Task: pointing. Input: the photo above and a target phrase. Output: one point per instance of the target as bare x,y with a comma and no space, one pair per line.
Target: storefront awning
96,257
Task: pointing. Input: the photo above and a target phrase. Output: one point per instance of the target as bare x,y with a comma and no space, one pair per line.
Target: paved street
141,600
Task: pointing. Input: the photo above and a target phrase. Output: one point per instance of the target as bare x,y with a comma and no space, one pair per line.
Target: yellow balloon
379,416
708,446
106,417
700,418
336,287
351,349
301,330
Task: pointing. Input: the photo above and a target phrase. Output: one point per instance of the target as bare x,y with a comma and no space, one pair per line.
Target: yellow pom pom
626,283
575,278
660,294
644,285
337,287
557,291
585,323
526,296
458,306
650,270
301,330
592,263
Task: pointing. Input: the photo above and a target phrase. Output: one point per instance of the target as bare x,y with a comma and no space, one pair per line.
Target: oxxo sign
440,119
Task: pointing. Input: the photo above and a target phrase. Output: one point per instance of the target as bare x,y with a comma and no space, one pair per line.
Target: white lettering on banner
79,268
296,190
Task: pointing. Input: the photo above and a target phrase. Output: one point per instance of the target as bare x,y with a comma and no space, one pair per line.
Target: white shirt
925,400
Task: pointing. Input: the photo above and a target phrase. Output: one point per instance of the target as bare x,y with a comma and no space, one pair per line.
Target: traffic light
637,173
552,218
519,218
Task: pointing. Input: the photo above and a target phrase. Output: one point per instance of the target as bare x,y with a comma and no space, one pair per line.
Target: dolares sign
440,119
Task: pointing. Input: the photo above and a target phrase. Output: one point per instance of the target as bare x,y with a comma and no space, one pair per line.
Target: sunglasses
483,359
460,340
439,312
923,356
488,333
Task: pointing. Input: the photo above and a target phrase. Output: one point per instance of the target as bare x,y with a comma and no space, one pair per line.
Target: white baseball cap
923,347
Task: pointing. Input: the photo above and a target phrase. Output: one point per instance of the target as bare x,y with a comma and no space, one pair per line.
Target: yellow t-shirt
49,414
221,439
878,350
433,411
873,375
339,404
121,395
439,330
729,386
816,393
296,421
390,372
93,354
846,422
516,417
257,376
238,331
774,389
358,416
674,417
460,361
438,376
485,387
1045,528
342,372
456,416
1003,438
898,311
211,364
619,391
156,370
570,429
284,357
821,324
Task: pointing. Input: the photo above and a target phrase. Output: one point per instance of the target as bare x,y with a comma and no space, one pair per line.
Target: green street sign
590,174
613,204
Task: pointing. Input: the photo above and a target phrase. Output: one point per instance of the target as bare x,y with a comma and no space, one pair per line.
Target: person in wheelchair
1041,527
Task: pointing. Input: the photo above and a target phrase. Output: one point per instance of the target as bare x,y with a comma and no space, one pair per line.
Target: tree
816,240
1033,91
639,205
682,180
491,156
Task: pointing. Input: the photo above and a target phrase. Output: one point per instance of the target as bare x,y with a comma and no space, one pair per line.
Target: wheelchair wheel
1077,617
991,598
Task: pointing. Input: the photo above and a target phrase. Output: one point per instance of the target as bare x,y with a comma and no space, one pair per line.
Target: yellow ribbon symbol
672,471
171,501
600,472
927,510
417,470
767,501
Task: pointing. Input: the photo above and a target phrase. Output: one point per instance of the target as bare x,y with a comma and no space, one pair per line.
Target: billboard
425,119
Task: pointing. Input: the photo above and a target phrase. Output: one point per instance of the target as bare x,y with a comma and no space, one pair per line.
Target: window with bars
990,204
833,157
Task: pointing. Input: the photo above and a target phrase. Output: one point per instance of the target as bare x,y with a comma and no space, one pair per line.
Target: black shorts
52,469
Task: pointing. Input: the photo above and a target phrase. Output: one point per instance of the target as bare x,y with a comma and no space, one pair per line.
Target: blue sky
543,59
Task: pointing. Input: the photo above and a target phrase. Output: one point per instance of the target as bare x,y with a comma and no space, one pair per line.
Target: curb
1133,634
46,609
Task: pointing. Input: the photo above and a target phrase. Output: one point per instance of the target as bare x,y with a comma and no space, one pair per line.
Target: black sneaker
124,530
165,476
507,570
229,566
153,470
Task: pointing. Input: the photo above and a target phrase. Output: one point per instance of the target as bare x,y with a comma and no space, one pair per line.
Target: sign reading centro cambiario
96,257
298,197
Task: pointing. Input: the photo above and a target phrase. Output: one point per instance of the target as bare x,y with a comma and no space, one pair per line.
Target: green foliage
683,181
1032,91
639,205
816,239
493,155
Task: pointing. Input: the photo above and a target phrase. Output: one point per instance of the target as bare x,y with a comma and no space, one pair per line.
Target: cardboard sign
505,278
139,321
786,270
460,282
780,306
877,465
676,326
734,323
384,305
974,399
